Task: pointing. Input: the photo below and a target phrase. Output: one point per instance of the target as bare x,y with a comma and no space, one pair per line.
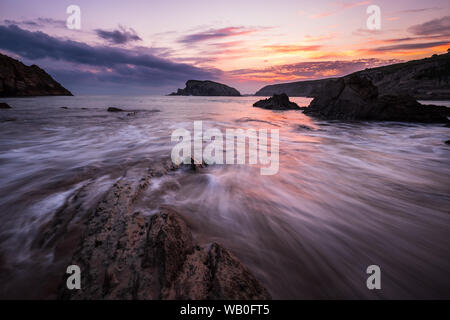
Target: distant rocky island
206,88
19,80
425,79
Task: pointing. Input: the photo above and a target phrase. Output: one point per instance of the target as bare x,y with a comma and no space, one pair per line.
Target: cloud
214,34
292,48
37,23
419,10
119,36
410,46
103,63
439,26
309,70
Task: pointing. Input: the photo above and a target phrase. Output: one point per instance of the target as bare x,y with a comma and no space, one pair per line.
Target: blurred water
347,195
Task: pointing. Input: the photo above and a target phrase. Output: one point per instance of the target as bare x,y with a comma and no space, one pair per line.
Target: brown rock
277,102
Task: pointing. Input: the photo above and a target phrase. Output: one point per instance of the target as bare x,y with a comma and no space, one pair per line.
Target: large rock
4,105
18,80
124,254
427,79
277,102
206,88
356,98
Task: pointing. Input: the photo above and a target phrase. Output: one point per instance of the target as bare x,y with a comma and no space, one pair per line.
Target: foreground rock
277,102
206,88
356,98
19,80
4,105
124,254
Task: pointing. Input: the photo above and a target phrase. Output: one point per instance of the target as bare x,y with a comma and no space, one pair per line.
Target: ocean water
347,194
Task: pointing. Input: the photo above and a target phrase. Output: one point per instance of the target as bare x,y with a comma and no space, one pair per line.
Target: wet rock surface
206,88
356,98
277,102
125,254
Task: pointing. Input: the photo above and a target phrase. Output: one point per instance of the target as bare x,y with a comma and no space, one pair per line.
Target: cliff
427,78
19,80
206,88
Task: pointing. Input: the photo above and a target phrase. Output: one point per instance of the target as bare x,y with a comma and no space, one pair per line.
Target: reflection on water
347,195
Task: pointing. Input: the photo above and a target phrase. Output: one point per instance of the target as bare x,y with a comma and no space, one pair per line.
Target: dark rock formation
19,80
114,109
356,98
427,78
124,254
4,105
447,142
206,88
277,102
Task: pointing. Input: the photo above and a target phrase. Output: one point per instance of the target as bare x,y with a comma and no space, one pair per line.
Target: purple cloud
217,34
434,27
119,36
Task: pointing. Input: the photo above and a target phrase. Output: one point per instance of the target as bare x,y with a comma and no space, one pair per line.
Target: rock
19,80
356,98
447,142
4,105
277,102
124,254
427,79
206,88
64,108
114,109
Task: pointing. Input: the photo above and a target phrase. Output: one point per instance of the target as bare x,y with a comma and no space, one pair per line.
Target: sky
153,47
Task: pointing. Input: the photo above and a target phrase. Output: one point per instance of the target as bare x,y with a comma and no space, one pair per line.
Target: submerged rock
114,109
206,88
4,105
356,98
277,102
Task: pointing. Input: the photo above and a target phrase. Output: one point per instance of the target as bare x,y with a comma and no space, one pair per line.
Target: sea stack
206,88
277,102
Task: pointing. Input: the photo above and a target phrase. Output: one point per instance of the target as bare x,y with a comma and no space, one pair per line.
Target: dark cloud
105,64
434,27
119,36
37,23
410,46
214,34
98,65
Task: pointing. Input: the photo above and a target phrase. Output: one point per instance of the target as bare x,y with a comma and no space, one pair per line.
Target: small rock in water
277,102
64,108
114,109
447,142
4,105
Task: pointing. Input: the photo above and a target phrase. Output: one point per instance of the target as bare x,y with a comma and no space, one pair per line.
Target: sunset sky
153,47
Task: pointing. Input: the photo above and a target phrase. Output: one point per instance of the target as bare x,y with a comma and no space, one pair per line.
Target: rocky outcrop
356,98
125,254
19,80
206,88
114,109
427,78
277,102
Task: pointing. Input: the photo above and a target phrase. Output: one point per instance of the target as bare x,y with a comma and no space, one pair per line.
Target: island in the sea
19,80
206,88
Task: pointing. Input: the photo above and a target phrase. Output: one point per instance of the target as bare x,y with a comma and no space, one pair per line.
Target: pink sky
252,43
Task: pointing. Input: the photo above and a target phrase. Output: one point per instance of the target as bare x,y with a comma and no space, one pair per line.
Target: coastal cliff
425,79
206,88
19,80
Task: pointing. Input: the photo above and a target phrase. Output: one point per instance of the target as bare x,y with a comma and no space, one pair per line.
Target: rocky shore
206,88
425,79
126,254
357,98
19,80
